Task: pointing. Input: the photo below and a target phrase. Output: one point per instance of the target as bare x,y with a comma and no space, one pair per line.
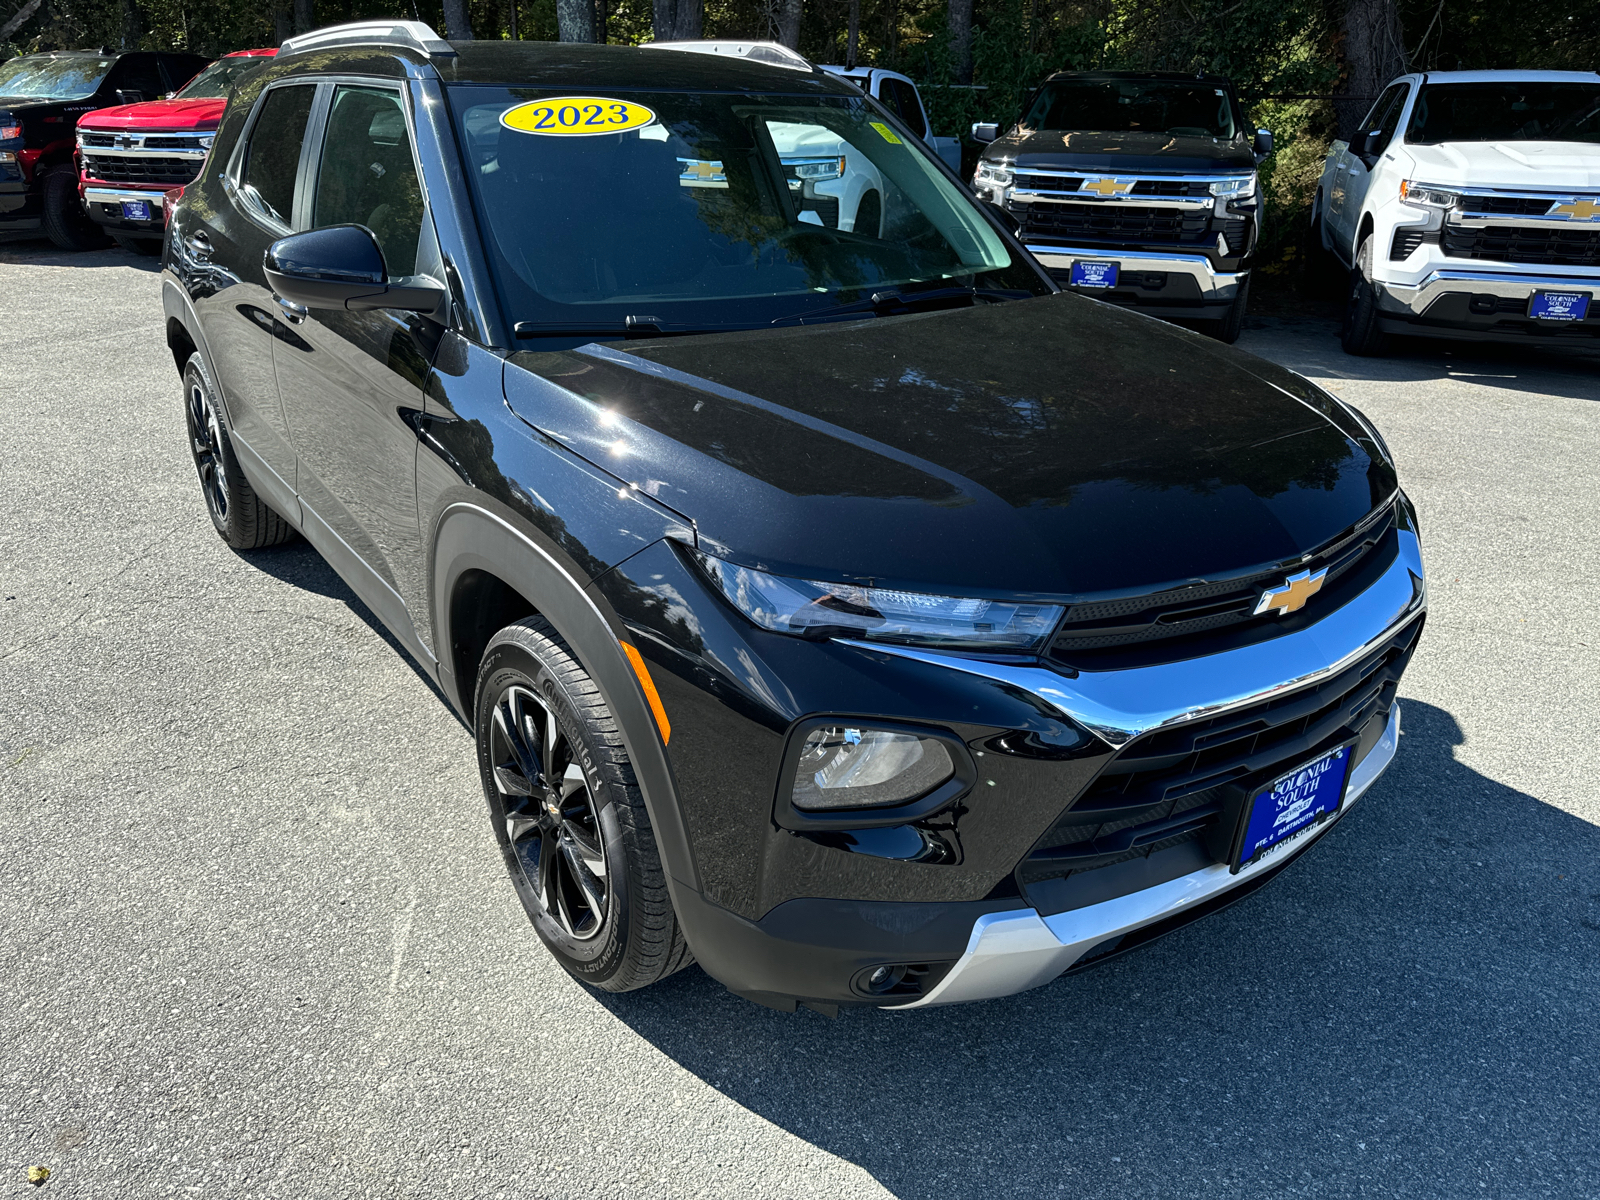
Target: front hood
157,114
1524,166
1122,152
1048,447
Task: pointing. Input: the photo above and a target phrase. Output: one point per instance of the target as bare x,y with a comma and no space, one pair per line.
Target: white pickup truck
1468,206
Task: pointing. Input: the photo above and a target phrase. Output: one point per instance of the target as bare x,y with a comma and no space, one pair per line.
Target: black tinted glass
1506,112
905,103
1132,106
273,157
139,73
49,77
217,80
368,177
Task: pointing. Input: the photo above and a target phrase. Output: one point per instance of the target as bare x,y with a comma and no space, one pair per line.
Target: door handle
198,245
292,312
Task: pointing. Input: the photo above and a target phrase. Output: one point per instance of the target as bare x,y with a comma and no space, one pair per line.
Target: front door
351,382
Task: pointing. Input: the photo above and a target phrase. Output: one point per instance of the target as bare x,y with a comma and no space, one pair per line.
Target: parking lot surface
258,940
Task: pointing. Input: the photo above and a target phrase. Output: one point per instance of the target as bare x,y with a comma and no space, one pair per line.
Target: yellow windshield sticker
702,173
886,132
577,116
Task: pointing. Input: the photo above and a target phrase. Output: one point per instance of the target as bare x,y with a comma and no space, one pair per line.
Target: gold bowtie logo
1107,186
1576,210
1294,593
703,170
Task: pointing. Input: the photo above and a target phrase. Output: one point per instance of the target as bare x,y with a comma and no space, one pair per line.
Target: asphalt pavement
257,940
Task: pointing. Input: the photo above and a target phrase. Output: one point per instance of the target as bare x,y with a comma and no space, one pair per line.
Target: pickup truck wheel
65,222
568,815
1232,324
240,516
869,215
149,247
1361,334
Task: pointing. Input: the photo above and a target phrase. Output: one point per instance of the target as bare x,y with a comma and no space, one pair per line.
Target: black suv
857,614
41,98
1136,188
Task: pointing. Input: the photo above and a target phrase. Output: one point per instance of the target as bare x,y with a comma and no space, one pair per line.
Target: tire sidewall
593,960
194,373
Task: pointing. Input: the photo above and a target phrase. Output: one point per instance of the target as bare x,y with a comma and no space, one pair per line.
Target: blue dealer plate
136,210
1095,274
1294,802
1559,306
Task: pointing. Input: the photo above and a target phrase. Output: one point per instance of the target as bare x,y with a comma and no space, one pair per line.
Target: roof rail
413,35
771,53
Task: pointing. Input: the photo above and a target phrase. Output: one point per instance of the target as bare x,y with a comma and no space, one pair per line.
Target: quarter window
272,159
367,175
907,104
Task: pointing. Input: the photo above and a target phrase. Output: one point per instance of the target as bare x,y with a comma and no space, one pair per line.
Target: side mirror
984,132
1005,217
342,267
1372,143
130,96
1263,145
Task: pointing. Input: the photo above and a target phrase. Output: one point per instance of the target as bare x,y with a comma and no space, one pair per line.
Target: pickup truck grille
1506,206
1144,187
127,168
1125,225
1557,247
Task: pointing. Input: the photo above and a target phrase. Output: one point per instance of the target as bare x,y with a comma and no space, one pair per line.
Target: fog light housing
842,772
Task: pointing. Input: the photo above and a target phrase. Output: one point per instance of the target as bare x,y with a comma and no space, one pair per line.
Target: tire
1231,326
240,517
869,215
1361,334
65,222
580,850
148,247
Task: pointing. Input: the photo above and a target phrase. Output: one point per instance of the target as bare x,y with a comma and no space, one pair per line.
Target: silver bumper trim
1214,285
1119,706
1414,299
1013,951
105,195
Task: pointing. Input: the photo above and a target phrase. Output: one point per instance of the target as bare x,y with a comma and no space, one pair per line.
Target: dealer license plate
1559,306
1293,803
1095,274
136,210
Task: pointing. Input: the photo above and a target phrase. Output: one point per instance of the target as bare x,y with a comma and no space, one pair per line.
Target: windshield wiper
630,328
891,301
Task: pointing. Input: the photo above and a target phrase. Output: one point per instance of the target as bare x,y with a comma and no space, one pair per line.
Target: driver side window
367,175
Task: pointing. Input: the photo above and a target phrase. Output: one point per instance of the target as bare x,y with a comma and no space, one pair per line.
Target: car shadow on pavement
35,253
1311,347
1410,1010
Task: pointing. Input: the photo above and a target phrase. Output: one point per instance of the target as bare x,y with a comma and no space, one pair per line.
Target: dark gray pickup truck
1137,188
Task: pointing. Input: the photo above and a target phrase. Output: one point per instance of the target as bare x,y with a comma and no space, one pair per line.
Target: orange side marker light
650,693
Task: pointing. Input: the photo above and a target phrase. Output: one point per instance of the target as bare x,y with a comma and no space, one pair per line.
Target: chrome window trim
1118,706
1010,952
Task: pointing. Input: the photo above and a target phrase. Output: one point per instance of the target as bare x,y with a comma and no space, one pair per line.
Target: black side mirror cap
341,266
984,132
1263,143
1373,143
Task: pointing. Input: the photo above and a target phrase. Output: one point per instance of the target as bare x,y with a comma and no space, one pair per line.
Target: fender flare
468,537
176,306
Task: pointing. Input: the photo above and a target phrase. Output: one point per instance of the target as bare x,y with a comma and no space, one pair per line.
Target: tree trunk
574,20
961,39
19,18
132,23
457,23
600,21
789,23
663,17
304,18
282,21
1374,46
854,35
688,19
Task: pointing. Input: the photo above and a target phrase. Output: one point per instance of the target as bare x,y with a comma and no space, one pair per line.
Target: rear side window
906,104
368,177
1382,109
139,73
272,159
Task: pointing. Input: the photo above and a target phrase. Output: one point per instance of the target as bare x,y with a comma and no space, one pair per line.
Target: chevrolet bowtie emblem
1106,186
1292,596
126,143
1576,210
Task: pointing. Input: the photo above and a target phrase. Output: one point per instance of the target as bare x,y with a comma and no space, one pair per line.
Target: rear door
1359,180
1342,215
351,382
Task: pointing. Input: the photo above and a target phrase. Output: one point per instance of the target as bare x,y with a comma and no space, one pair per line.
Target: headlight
1239,187
810,170
845,766
206,139
1421,195
810,608
999,174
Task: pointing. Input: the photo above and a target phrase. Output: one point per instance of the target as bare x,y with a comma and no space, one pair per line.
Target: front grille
99,139
1172,187
1405,244
1507,206
1560,247
1092,632
1049,183
117,168
172,142
1184,784
1089,223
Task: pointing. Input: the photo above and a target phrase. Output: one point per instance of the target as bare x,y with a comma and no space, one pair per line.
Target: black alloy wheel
1361,334
241,518
205,443
568,815
548,808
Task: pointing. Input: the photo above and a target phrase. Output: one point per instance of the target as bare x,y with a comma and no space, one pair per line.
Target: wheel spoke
525,758
571,780
519,825
512,782
592,889
588,848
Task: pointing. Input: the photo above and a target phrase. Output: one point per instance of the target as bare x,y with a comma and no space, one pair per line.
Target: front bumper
1013,951
1169,280
104,203
1494,303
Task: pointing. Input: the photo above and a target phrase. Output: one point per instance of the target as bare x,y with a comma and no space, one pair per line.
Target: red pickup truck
130,156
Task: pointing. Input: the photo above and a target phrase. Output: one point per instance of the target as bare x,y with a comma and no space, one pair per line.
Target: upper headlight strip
812,608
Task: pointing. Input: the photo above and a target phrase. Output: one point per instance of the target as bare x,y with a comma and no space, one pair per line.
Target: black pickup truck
1137,188
41,98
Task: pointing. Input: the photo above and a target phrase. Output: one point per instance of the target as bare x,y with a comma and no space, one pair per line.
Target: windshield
713,210
49,77
217,80
1132,106
1506,112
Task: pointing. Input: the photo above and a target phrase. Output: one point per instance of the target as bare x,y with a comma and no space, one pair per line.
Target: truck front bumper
1166,280
1485,303
104,204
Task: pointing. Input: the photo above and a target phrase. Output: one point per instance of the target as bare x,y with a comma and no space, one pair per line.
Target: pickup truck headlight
1422,195
206,139
999,174
1238,187
811,608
